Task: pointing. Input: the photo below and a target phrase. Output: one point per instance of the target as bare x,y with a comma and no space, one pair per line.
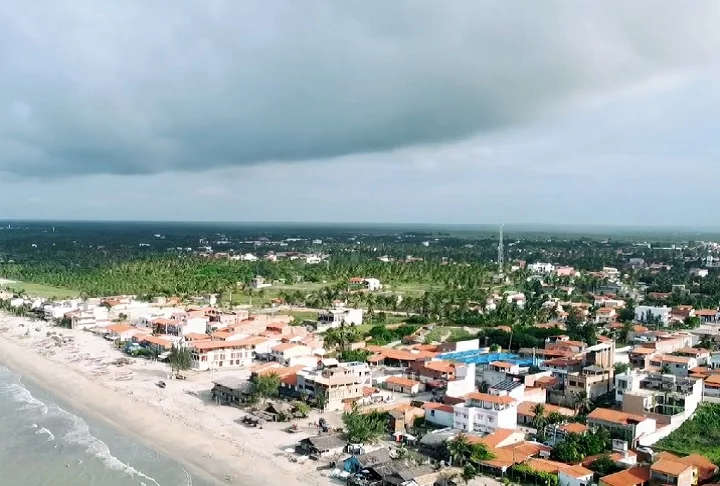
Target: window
432,413
491,420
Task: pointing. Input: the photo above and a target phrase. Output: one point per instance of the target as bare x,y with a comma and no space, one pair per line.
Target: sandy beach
179,421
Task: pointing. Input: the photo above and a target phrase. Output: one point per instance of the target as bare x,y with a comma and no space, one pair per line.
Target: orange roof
485,397
706,468
156,340
265,366
118,328
547,380
629,477
502,364
497,437
615,456
544,465
693,351
577,471
674,359
283,347
574,428
404,355
437,406
614,416
194,336
209,345
289,379
706,312
399,380
441,366
669,467
642,350
526,408
639,328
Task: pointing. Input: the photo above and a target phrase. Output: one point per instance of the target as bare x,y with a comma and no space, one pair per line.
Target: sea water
44,443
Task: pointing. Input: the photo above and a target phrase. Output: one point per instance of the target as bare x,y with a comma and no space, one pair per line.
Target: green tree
364,427
665,369
539,421
458,450
556,418
301,408
603,466
621,368
582,403
180,359
321,399
265,385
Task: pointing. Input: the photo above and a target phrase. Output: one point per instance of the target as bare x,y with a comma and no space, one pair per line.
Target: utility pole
501,251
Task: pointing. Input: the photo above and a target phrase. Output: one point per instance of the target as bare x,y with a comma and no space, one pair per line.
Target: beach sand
179,421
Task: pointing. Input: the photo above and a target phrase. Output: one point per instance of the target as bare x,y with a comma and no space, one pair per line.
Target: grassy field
449,333
414,289
700,434
39,290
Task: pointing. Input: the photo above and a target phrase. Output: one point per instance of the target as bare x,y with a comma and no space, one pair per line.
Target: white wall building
485,413
645,313
338,316
575,476
439,414
540,267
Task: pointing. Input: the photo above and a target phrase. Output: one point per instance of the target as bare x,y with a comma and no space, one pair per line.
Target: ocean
44,443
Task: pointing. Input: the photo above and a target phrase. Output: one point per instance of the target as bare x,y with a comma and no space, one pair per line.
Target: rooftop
614,416
629,477
484,397
669,467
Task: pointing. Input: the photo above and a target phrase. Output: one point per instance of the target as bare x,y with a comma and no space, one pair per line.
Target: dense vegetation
700,434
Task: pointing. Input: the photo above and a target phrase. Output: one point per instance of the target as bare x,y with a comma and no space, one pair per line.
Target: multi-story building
621,425
678,365
339,385
337,317
485,413
593,380
665,398
653,314
213,355
667,471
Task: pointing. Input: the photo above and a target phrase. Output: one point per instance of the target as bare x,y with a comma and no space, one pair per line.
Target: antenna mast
501,250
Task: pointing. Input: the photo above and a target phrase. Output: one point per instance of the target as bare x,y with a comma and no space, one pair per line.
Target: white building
57,310
575,476
485,413
221,355
338,316
540,267
647,313
259,283
439,414
372,284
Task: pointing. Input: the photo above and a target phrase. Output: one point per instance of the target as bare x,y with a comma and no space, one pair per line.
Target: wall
565,480
439,417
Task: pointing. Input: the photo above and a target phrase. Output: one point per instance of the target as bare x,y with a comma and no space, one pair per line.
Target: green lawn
449,333
45,291
700,434
410,288
262,297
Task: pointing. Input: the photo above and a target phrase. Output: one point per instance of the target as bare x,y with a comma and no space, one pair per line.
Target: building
541,268
636,476
575,476
711,388
667,399
677,365
438,414
653,314
284,352
337,317
121,332
621,425
340,385
592,380
212,355
526,414
401,384
667,471
485,413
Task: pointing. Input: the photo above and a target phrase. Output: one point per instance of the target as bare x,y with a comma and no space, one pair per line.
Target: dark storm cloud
138,87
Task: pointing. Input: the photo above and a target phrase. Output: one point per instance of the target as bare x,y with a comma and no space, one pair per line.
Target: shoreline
206,449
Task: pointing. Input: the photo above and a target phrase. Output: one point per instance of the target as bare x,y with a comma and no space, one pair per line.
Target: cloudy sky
469,111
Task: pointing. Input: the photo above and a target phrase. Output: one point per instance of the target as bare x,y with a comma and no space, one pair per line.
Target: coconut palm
539,421
458,449
582,403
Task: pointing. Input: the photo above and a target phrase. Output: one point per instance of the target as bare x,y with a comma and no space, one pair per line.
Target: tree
582,403
364,427
495,348
621,368
301,408
603,466
665,369
539,421
626,314
321,399
469,472
458,450
265,385
180,359
555,418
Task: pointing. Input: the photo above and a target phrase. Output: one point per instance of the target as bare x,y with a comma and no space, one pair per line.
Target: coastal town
600,388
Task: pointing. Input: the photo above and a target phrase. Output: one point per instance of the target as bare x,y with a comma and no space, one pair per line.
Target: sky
410,111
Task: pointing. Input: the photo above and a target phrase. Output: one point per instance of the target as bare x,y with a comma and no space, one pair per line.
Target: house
354,464
605,315
575,476
371,284
702,356
438,414
154,343
636,476
229,390
678,365
403,385
322,445
704,468
668,471
666,398
211,355
283,352
483,412
555,433
711,387
340,385
338,316
526,414
627,426
121,332
541,268
653,314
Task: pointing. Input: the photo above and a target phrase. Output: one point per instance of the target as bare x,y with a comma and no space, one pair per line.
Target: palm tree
582,403
458,449
539,421
555,418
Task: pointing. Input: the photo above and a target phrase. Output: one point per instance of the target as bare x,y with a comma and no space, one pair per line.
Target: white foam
79,434
43,430
20,394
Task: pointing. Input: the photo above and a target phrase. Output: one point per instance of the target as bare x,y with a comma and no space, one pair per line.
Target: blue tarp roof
477,357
